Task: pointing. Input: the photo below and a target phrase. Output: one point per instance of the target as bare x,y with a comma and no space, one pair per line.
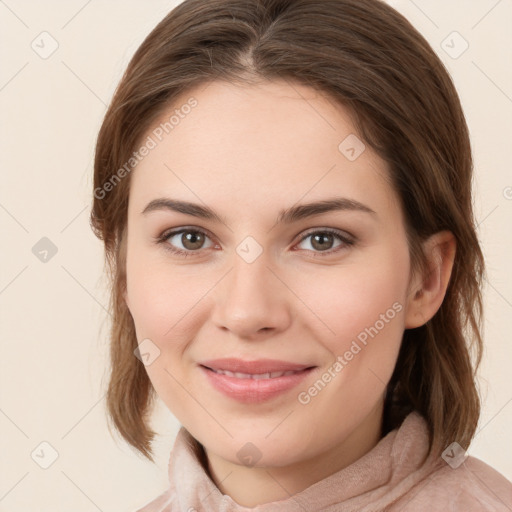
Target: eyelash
347,242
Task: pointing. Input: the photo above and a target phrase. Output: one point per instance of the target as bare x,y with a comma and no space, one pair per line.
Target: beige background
53,318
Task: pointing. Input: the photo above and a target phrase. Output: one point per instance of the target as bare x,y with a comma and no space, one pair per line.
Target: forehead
279,141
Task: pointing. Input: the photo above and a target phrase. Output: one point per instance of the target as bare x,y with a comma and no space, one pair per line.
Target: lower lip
252,391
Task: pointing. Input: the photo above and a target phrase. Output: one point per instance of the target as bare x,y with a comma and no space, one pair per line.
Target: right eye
184,241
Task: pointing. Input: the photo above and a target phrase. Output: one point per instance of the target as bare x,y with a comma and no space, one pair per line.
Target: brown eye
324,241
186,241
192,240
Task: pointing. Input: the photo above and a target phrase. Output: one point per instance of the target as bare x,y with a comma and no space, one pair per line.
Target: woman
283,188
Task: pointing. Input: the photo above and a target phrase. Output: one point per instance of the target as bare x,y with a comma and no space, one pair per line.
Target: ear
428,289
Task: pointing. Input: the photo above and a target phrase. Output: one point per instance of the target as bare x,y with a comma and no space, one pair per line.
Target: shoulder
474,486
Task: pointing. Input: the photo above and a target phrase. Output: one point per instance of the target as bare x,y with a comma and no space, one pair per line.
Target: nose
251,301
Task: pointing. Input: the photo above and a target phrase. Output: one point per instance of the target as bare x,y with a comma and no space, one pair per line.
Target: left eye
323,241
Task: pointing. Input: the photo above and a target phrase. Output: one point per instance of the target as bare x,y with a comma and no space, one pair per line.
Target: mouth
257,367
255,376
254,381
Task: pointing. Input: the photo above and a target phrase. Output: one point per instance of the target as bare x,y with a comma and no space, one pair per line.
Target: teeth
255,376
258,376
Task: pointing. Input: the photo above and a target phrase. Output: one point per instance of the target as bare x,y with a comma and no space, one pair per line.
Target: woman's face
322,290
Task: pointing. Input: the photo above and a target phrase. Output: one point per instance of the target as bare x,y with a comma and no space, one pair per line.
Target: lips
255,376
248,369
252,382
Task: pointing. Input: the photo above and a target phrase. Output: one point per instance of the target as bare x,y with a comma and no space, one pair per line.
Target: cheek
361,311
162,301
364,307
347,301
161,296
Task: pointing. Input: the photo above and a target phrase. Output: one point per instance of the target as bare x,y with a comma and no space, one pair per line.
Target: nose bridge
250,277
251,298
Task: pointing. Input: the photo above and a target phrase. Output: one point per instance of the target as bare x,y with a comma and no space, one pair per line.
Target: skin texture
248,152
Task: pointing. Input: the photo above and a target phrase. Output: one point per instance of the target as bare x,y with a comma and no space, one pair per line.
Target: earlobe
428,293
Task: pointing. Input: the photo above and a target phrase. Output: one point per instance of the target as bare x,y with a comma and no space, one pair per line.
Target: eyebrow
286,216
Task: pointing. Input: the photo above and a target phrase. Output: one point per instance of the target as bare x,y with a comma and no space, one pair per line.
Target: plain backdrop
54,324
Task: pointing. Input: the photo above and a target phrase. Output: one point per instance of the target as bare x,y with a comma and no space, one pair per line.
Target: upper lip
259,366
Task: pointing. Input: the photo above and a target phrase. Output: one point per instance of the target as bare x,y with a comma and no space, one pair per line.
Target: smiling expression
251,235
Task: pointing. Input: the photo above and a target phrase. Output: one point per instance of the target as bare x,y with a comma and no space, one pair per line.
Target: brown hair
364,55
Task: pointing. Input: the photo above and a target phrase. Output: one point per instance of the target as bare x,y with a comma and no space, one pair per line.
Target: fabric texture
391,477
